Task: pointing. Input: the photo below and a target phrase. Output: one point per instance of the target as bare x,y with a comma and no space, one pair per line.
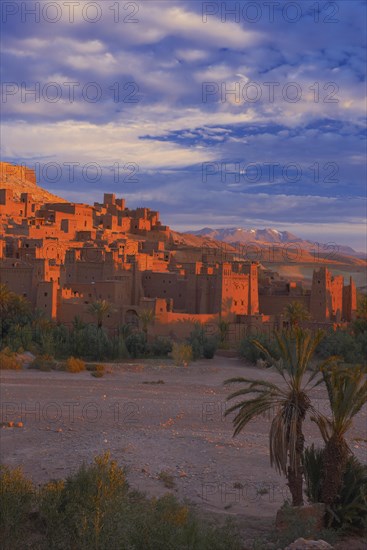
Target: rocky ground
171,436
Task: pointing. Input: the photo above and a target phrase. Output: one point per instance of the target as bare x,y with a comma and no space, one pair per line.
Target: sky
217,114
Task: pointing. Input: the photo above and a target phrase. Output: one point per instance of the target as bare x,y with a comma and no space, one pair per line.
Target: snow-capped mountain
267,235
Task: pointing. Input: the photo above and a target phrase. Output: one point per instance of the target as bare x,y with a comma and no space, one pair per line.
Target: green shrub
43,363
94,508
342,343
74,365
349,511
119,348
167,479
298,527
209,348
78,512
136,344
201,344
8,360
249,351
16,501
196,340
161,347
182,354
91,342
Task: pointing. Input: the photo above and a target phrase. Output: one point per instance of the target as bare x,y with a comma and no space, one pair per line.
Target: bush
359,326
197,340
78,512
182,354
161,347
201,344
349,511
16,501
136,344
342,343
209,348
74,365
91,342
43,363
119,348
94,508
249,351
8,360
167,479
98,371
299,527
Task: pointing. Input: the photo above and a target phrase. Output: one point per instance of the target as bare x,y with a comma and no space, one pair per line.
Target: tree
295,312
147,317
5,296
99,310
223,327
15,310
361,306
291,403
347,392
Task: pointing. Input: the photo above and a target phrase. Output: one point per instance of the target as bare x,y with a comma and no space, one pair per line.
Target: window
46,293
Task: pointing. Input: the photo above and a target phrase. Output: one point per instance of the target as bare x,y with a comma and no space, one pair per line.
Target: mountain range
263,237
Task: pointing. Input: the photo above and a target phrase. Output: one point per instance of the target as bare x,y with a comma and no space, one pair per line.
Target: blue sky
216,113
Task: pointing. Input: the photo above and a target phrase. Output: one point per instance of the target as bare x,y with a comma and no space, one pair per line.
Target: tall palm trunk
295,474
335,459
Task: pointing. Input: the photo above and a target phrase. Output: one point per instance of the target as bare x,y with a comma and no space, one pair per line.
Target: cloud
163,62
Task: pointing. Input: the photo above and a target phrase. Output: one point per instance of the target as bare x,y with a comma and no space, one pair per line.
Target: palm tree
291,403
147,317
347,391
295,312
99,310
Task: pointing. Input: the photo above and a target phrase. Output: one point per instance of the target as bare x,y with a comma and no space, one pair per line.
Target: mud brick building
62,256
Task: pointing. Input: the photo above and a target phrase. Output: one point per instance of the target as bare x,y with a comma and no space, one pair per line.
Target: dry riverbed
171,436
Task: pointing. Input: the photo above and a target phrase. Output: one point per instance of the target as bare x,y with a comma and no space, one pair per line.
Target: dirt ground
177,428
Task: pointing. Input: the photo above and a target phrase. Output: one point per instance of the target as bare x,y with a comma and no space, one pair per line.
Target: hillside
23,180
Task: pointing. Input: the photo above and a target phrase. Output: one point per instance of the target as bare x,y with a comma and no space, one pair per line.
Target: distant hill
265,236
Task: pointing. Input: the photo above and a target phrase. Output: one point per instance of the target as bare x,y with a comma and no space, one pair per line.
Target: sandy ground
177,427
